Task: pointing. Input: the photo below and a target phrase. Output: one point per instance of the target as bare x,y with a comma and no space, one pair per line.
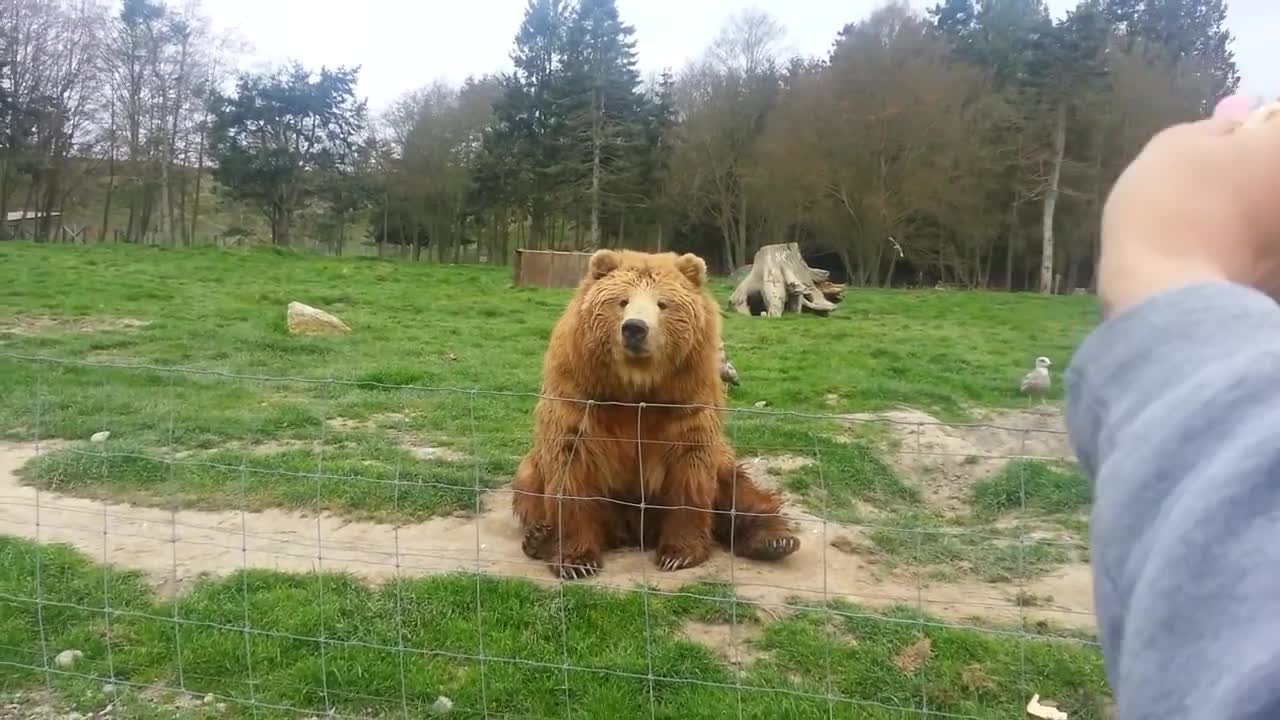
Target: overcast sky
404,44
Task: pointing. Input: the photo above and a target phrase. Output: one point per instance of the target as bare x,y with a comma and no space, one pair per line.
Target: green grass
843,473
946,548
1045,488
576,652
365,480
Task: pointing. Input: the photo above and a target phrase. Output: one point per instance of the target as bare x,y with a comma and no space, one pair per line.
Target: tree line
971,144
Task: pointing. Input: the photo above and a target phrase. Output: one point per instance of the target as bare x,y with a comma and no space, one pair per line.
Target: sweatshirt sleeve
1173,409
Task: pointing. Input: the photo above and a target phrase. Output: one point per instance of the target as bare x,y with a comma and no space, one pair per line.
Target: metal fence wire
209,549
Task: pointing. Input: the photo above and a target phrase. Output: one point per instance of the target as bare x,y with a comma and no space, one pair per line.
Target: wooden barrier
549,268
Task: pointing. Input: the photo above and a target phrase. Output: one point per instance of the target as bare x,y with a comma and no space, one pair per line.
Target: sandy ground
947,459
173,548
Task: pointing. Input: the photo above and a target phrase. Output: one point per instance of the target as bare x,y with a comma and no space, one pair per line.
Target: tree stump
781,281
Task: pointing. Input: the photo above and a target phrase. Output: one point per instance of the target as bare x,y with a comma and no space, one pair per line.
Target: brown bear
628,432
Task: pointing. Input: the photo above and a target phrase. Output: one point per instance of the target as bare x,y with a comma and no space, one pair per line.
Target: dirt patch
427,452
172,549
733,643
914,656
46,325
342,424
945,460
770,470
976,678
389,424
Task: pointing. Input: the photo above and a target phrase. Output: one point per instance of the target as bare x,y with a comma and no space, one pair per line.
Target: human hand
1198,204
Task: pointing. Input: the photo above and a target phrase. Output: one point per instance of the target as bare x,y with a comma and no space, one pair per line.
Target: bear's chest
637,425
639,441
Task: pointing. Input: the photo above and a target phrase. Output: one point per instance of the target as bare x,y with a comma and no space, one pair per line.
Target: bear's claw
534,539
776,548
578,572
672,560
578,568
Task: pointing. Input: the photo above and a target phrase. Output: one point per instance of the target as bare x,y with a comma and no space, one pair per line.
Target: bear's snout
634,333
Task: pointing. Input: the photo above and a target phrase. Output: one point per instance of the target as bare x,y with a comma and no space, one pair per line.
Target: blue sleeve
1174,411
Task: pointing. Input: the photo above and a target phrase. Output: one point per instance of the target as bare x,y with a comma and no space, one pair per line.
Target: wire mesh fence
288,547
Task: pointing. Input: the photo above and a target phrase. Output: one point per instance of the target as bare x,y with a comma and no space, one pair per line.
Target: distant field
460,330
464,327
429,414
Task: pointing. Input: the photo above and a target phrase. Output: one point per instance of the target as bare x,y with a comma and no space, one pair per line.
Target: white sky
405,44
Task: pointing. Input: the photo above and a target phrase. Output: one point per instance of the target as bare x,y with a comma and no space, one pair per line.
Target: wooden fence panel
549,268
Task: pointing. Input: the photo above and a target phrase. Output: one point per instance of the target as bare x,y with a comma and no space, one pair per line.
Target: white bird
728,373
1037,381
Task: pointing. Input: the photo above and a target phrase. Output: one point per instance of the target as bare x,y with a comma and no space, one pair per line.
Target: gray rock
100,437
68,658
442,705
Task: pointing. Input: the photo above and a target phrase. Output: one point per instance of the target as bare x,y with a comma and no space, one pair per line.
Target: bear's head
647,314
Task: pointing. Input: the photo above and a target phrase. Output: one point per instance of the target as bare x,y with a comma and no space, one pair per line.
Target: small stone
442,705
68,658
208,699
762,404
100,437
109,689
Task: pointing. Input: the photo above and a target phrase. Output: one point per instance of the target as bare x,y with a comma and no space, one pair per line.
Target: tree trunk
782,280
166,216
742,227
596,142
459,233
26,207
285,227
1051,199
195,202
726,236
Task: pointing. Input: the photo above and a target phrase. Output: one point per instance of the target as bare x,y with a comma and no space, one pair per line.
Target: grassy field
461,331
397,648
432,405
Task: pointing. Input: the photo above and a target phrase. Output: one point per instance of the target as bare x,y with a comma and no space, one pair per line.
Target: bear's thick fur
631,416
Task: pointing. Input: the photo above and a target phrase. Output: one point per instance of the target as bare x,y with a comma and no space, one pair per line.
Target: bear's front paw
535,541
681,557
577,566
773,548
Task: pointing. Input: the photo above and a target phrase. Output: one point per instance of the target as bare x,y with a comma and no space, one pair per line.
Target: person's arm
1173,408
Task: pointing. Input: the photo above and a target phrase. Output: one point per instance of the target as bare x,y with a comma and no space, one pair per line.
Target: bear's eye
623,303
662,306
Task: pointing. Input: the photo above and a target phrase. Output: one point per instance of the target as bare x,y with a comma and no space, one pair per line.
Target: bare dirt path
173,548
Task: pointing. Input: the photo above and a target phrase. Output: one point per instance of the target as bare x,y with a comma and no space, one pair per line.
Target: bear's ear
692,267
603,262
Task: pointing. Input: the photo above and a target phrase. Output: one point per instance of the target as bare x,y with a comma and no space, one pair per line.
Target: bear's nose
634,330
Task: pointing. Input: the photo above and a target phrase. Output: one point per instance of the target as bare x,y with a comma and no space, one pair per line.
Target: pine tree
658,149
606,126
955,19
529,120
1193,30
1067,68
